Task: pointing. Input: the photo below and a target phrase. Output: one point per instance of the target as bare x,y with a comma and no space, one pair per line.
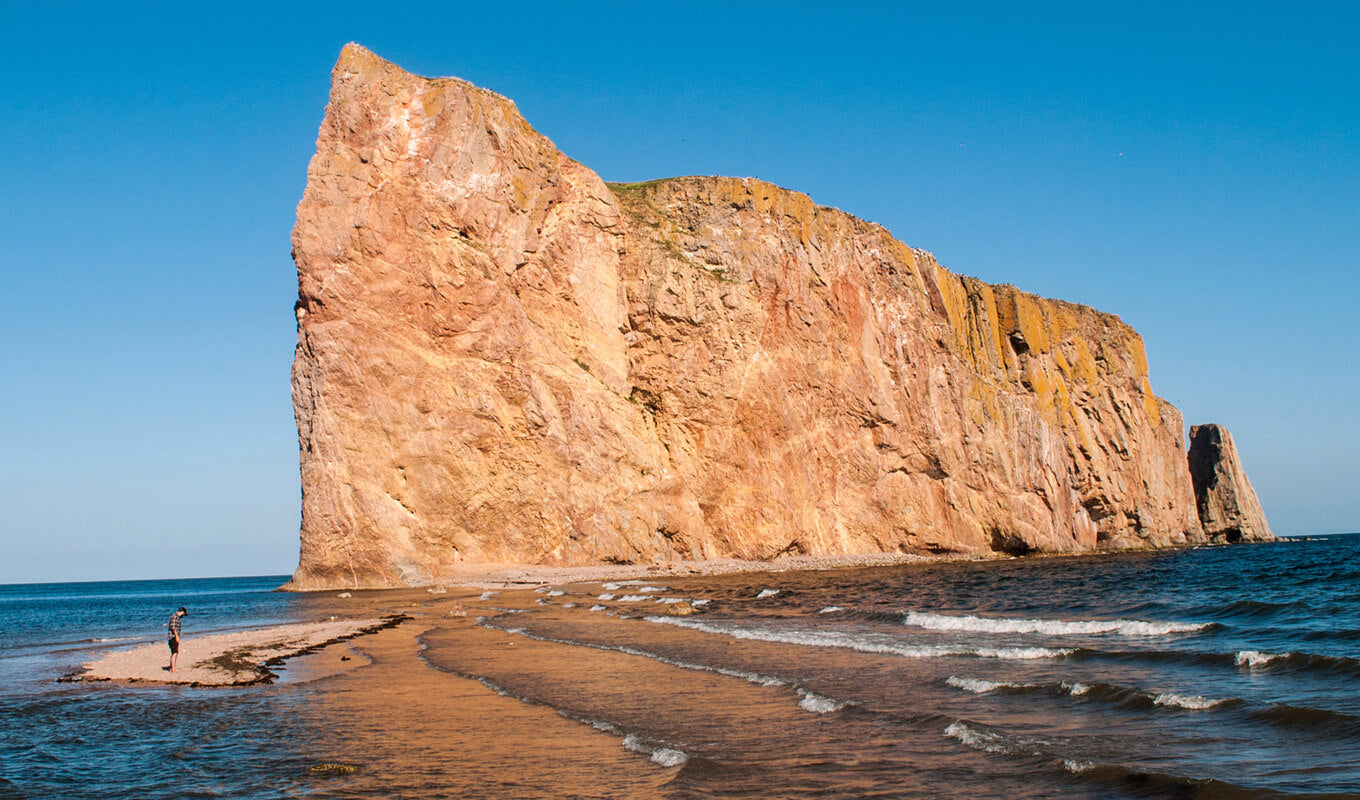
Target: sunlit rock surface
502,359
1228,508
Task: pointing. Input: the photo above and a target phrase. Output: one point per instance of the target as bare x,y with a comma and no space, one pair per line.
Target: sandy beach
227,659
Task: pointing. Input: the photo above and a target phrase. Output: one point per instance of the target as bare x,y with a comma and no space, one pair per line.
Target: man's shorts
174,645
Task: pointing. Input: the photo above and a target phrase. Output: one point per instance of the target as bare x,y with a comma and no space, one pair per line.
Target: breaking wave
665,756
1255,658
808,701
1192,702
866,644
1053,627
1122,696
818,704
981,686
980,738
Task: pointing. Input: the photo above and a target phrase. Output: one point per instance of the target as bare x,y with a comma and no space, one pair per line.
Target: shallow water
1220,672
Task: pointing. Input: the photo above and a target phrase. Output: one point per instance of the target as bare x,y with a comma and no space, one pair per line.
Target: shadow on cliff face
1009,543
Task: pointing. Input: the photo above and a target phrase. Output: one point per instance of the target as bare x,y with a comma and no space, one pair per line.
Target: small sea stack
1228,508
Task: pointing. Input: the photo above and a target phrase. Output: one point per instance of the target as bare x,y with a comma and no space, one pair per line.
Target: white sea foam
605,596
611,587
541,601
569,605
865,644
556,593
633,598
1256,658
665,756
669,757
830,610
767,593
752,677
1190,702
598,608
652,589
671,600
980,739
702,602
1076,688
980,685
1077,767
488,595
603,727
1055,627
818,704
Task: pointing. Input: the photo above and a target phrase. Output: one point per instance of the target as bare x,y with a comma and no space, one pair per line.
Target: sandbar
237,658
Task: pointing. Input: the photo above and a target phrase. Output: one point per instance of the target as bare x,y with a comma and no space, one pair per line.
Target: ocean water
61,740
1214,673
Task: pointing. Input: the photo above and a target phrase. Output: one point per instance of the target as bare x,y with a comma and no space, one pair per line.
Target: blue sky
1194,168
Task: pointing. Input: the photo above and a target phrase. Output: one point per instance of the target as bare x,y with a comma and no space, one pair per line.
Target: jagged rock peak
1228,508
503,359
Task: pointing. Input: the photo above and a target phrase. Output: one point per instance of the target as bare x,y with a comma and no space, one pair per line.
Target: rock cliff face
501,358
1228,508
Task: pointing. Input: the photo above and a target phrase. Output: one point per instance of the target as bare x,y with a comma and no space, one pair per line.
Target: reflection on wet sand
1054,678
414,731
474,707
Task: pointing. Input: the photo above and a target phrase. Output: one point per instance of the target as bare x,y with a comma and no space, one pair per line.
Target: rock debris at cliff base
503,359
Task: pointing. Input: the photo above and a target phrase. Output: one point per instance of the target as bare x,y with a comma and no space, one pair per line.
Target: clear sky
1192,167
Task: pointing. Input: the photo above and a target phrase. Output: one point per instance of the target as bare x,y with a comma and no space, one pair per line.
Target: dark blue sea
1211,673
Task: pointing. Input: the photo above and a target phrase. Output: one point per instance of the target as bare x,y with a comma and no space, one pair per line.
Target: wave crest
1056,627
865,644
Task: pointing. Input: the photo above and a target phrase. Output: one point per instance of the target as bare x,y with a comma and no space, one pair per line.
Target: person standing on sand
174,635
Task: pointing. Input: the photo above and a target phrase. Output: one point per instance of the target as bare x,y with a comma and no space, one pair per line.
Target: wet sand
397,727
451,703
225,659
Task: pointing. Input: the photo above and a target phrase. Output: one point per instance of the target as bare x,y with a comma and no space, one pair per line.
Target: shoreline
236,658
505,576
244,657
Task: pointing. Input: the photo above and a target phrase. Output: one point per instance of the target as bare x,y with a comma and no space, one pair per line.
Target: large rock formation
1228,508
501,358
